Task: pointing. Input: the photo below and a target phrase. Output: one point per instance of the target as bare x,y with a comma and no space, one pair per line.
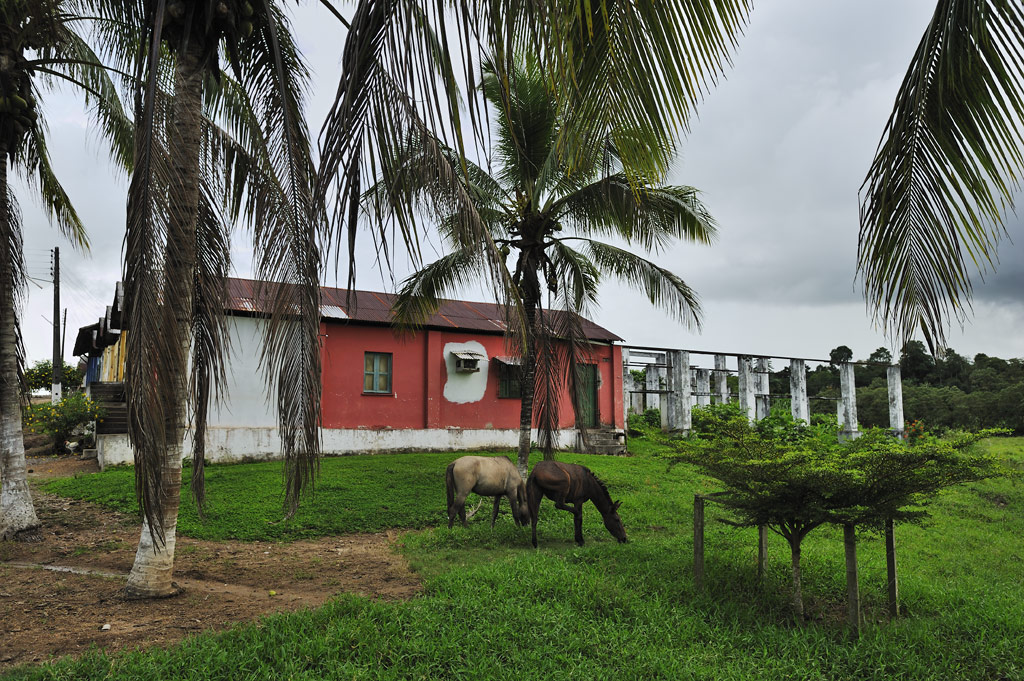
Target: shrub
40,376
793,478
60,420
652,417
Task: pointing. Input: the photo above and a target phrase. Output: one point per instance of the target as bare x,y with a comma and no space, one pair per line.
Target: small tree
793,478
40,376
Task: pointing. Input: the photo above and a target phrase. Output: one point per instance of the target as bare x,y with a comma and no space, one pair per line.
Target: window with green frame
377,372
509,380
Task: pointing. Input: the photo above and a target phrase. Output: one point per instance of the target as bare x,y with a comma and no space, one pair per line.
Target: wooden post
798,405
698,541
852,586
747,388
762,550
890,569
721,380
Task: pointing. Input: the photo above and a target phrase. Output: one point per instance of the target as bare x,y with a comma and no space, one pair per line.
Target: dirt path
57,595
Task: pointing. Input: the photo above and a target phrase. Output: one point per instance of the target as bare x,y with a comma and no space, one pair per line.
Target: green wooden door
586,390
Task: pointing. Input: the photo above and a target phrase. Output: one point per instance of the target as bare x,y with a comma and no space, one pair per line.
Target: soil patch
57,595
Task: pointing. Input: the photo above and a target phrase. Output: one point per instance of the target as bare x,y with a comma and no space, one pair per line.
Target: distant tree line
943,392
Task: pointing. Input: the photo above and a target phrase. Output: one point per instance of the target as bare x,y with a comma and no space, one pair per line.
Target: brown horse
570,486
492,476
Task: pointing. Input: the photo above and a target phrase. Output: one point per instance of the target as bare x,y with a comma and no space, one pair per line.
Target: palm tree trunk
527,386
154,563
17,514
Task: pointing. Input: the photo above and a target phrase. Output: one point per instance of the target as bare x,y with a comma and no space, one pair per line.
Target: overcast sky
779,151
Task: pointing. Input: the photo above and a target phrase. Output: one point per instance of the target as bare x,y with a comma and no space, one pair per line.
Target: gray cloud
779,151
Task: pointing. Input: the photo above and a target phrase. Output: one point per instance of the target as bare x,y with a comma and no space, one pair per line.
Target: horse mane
599,481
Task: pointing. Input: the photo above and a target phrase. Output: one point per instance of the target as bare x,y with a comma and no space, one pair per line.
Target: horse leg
494,514
577,520
460,506
533,497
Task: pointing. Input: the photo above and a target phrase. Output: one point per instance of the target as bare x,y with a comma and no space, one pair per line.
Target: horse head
521,513
613,523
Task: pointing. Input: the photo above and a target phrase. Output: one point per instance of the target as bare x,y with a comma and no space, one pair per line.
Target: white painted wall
231,445
463,388
247,400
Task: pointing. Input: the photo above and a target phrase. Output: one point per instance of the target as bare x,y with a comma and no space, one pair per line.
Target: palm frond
633,70
210,332
526,123
946,169
421,294
652,217
578,278
70,58
663,288
12,263
35,158
561,350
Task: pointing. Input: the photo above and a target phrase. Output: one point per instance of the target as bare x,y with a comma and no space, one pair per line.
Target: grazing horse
570,486
491,476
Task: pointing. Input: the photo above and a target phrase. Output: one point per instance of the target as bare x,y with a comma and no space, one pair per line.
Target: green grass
244,501
495,608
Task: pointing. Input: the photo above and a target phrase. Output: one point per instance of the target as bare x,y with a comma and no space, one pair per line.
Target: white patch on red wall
464,387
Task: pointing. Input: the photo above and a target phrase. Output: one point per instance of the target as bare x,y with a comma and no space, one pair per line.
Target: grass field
495,608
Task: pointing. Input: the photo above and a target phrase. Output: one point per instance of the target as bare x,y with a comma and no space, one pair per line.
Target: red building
451,384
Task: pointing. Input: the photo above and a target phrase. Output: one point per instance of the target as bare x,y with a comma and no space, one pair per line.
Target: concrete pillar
747,387
627,389
895,400
798,404
703,387
762,402
848,402
679,399
652,400
721,380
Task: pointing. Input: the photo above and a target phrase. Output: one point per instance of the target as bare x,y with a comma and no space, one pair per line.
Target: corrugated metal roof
246,295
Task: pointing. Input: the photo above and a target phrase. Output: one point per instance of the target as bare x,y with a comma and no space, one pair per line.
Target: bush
60,420
652,417
793,478
40,376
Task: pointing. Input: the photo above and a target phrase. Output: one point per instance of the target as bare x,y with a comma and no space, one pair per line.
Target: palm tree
39,49
633,70
546,213
190,181
947,168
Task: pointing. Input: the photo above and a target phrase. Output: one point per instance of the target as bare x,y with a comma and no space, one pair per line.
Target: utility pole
58,358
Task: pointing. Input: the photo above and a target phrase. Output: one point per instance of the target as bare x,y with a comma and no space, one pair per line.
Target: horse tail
449,484
534,494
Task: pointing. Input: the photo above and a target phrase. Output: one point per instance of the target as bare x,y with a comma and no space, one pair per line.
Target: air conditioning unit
467,361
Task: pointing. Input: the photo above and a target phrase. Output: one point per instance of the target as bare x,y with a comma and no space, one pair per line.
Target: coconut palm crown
544,218
39,51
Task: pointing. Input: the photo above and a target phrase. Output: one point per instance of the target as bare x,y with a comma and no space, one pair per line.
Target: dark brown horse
570,486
